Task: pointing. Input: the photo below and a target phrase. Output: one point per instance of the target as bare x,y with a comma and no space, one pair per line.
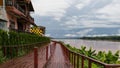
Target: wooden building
3,18
18,14
40,30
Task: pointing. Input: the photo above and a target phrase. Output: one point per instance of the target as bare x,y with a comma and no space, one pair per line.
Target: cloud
84,32
111,11
119,31
70,35
82,4
55,8
76,14
48,35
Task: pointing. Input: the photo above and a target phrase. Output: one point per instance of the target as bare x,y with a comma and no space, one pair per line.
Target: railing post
77,60
4,51
69,54
89,63
74,59
106,66
35,57
82,64
50,50
47,53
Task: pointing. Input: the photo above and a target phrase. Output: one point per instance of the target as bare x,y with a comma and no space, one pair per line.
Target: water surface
97,45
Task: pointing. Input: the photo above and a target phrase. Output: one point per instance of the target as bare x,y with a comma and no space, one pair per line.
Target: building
39,30
42,28
18,14
3,19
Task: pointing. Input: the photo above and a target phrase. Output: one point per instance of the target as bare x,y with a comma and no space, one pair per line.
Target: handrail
72,56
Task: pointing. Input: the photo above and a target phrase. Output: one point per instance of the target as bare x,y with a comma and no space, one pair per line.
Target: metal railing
79,60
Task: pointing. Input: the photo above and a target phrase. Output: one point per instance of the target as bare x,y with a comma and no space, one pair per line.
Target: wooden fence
19,50
79,60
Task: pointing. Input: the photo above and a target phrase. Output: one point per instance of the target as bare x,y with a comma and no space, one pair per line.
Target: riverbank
103,38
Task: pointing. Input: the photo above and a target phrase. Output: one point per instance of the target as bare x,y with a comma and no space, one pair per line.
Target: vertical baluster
16,49
69,54
74,60
50,50
89,63
82,64
77,60
4,50
11,49
47,53
106,66
35,57
72,57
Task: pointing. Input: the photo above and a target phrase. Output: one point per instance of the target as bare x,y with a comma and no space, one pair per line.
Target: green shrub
102,56
14,40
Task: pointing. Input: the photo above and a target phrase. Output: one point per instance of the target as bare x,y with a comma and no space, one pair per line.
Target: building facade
3,19
39,30
18,14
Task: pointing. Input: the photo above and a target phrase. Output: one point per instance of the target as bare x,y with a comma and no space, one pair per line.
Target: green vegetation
102,56
15,44
13,38
110,38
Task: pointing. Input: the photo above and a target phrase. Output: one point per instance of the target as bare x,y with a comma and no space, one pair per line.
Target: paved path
27,61
58,59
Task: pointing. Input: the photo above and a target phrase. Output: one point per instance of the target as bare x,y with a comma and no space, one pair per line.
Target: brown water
97,45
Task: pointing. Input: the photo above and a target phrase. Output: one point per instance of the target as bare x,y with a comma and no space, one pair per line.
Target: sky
78,18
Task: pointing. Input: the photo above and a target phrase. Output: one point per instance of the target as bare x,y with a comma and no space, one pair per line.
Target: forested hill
110,38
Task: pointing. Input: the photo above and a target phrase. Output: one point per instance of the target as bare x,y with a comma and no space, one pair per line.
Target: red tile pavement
55,54
58,59
27,61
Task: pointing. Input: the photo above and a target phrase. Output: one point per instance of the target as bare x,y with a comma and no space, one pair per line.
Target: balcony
31,20
15,7
19,31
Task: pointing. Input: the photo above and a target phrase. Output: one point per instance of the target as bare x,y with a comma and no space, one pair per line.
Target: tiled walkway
58,59
27,61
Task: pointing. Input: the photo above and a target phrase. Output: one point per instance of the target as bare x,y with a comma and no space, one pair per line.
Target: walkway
58,59
55,54
27,61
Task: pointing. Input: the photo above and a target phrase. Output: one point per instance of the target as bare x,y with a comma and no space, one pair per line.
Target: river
97,45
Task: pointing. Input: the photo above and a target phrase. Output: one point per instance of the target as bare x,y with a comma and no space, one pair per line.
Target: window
12,25
2,25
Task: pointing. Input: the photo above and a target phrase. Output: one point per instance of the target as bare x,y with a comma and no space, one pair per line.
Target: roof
31,6
41,27
3,20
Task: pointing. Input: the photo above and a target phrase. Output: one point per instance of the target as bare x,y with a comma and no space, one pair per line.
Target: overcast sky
59,16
